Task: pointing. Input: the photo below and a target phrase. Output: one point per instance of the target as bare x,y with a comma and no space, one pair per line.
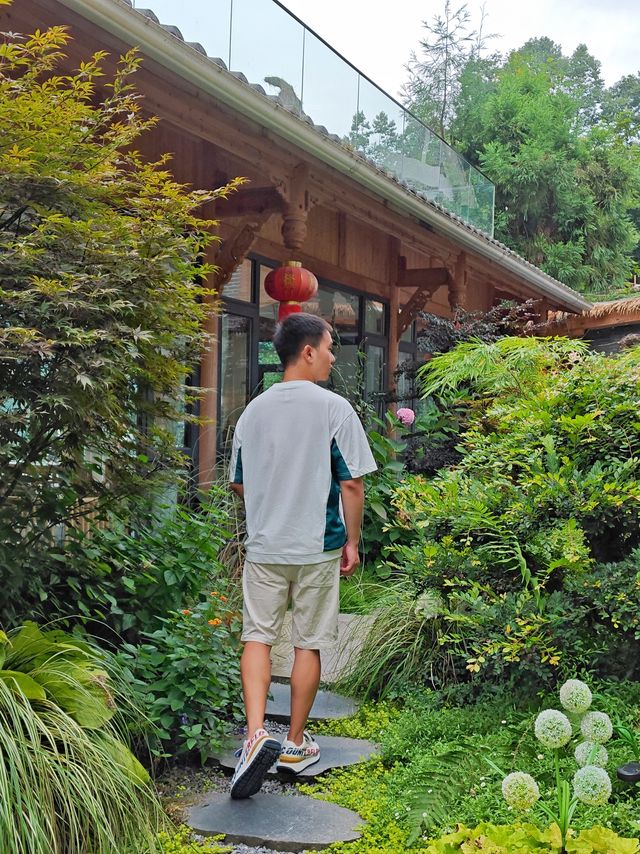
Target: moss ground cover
432,779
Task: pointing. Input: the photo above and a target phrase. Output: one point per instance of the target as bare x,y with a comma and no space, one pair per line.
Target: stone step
282,822
334,753
337,661
327,705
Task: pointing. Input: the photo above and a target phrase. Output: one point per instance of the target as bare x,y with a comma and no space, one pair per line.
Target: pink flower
406,416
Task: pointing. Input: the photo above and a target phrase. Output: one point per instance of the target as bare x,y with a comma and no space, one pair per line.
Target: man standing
299,451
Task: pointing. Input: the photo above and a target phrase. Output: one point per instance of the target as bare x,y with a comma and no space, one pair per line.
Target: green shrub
377,538
188,675
129,575
516,540
101,308
67,781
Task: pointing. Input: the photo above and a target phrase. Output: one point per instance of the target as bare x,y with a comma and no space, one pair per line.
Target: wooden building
381,250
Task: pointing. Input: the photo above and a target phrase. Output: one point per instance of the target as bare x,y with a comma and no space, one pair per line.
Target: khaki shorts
314,592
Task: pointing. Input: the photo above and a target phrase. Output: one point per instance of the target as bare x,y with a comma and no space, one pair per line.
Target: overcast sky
379,42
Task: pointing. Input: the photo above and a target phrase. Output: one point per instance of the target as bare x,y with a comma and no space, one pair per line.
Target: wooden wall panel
366,252
323,235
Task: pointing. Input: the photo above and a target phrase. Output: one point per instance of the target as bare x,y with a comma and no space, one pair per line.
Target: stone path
284,822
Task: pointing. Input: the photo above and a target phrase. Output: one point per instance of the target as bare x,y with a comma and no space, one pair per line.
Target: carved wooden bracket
426,281
297,204
233,251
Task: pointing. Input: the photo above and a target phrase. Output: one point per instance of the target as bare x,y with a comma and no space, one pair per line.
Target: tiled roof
321,129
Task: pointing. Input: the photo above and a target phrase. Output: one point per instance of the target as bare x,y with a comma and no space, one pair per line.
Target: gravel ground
179,787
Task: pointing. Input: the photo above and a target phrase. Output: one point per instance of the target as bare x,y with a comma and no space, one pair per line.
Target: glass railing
273,48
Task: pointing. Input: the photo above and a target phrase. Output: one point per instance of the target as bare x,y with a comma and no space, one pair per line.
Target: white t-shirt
292,446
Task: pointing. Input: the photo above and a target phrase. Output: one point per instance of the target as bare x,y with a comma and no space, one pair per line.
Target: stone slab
334,753
285,823
337,661
327,705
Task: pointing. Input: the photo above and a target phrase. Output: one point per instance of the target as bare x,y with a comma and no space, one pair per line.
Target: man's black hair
295,332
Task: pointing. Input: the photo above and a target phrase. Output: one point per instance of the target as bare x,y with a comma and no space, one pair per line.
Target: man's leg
265,588
305,678
255,668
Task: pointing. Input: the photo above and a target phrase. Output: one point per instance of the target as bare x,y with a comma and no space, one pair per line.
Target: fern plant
509,366
445,780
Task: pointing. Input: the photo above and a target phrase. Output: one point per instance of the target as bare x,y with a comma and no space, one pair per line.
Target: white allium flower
583,754
553,728
520,790
596,726
575,696
592,785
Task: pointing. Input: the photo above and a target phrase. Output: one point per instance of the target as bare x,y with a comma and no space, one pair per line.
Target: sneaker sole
252,779
296,767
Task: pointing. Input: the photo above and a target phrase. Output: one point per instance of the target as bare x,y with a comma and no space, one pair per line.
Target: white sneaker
294,758
258,755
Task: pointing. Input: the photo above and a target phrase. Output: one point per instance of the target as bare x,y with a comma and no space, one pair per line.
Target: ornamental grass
68,784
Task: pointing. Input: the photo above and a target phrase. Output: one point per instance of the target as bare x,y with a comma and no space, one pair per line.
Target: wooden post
458,284
207,431
394,310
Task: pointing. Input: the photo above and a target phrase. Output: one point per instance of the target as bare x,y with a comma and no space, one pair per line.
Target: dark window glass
374,371
374,317
407,335
340,309
239,285
235,342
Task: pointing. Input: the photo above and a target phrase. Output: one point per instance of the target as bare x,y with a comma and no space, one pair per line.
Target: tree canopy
561,148
101,309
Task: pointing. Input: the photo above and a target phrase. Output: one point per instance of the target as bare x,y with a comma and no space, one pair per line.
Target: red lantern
290,285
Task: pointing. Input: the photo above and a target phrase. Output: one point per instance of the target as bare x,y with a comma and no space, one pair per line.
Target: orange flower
215,622
214,593
186,612
223,598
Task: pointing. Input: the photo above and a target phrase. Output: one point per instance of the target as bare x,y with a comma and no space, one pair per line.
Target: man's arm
238,488
352,492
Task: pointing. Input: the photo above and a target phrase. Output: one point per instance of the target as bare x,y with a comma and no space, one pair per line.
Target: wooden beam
322,268
249,200
297,203
411,310
422,277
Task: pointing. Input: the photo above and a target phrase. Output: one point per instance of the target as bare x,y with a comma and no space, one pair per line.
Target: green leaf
125,760
22,683
379,508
